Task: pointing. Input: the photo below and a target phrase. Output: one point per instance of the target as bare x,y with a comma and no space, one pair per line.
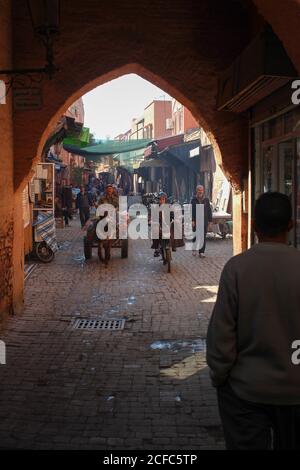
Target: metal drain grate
96,324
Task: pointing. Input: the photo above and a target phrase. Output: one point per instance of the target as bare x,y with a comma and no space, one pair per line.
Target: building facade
183,121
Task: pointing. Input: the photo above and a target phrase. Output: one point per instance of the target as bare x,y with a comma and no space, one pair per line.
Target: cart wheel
44,252
87,247
124,249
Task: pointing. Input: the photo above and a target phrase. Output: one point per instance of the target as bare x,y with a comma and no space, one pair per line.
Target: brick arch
209,126
181,46
117,73
185,61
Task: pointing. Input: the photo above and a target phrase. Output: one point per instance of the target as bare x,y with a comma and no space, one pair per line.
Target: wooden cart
221,223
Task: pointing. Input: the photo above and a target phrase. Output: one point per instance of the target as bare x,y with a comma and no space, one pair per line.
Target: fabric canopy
107,147
65,128
154,163
133,155
180,155
81,141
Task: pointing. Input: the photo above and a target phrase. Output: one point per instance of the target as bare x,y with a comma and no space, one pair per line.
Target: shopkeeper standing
82,203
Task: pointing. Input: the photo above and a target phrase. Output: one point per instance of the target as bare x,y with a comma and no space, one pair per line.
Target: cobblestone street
145,387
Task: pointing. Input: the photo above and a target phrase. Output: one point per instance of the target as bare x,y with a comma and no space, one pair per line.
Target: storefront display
42,189
277,161
42,196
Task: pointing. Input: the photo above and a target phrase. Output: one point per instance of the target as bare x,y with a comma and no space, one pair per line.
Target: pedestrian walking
200,198
253,339
82,203
60,211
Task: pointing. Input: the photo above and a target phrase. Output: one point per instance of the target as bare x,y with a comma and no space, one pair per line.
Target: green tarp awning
180,155
81,141
106,147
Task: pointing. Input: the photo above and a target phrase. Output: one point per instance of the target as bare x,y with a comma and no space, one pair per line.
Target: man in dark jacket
200,198
253,339
82,203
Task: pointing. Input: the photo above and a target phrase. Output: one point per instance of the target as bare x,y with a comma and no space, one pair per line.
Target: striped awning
45,228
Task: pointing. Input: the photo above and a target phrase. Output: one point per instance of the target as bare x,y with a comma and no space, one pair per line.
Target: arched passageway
142,387
181,46
185,64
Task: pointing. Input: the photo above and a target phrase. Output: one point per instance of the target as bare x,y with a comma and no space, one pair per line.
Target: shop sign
27,98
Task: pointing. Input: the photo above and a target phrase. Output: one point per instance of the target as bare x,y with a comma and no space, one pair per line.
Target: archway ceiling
181,46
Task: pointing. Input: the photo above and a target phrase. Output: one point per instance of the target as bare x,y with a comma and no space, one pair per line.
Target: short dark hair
272,213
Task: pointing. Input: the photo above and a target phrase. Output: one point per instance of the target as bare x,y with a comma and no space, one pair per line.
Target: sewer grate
98,324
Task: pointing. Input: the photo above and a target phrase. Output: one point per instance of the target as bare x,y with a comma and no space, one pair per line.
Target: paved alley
143,387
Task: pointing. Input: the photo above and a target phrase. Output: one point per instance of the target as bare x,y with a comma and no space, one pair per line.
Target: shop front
38,217
258,87
276,160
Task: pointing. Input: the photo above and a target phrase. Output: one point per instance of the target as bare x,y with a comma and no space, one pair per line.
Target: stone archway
181,46
231,154
109,46
185,63
114,74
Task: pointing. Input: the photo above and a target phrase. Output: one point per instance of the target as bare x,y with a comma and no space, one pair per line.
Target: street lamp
45,18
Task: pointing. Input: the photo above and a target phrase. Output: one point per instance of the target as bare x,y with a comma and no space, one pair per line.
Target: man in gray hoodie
253,339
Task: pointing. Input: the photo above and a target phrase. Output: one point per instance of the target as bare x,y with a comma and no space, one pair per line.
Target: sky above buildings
110,108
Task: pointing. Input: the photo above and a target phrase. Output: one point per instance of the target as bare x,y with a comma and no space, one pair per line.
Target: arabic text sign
27,98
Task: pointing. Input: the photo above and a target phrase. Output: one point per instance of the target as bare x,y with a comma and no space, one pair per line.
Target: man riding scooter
163,199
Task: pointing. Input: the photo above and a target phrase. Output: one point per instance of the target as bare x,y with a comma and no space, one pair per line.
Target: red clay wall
162,111
6,172
189,121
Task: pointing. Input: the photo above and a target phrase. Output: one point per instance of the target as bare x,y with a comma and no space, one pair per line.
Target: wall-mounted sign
27,98
195,152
